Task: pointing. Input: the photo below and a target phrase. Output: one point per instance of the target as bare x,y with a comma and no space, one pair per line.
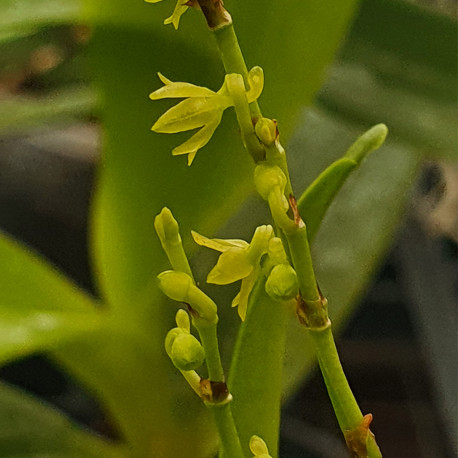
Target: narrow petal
232,265
180,9
179,90
218,244
241,300
188,114
256,82
197,141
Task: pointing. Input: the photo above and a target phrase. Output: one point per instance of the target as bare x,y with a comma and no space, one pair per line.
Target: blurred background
398,65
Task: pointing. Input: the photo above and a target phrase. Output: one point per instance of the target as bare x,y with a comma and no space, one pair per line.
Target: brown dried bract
312,314
356,439
293,205
213,392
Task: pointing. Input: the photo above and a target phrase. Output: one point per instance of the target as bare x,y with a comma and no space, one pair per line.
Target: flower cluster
239,260
202,108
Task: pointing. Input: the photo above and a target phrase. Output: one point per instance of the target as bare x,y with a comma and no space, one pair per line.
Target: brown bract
214,12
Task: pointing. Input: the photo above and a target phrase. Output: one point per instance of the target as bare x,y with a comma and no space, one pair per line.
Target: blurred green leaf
30,428
39,308
62,107
24,17
399,65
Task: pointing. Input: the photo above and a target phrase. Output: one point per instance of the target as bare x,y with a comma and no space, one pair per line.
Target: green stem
347,410
209,341
302,262
230,446
343,401
232,58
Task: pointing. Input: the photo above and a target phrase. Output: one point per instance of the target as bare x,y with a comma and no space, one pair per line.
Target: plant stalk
346,408
313,306
230,443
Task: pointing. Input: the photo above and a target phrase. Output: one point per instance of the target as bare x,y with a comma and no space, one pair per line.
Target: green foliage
40,307
31,428
116,349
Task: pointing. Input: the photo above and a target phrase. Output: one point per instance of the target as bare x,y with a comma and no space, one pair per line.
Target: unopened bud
267,178
282,283
180,287
276,251
167,227
182,320
175,285
187,353
258,447
266,131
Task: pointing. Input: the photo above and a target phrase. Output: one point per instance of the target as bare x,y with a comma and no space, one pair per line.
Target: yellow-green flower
239,261
202,108
180,8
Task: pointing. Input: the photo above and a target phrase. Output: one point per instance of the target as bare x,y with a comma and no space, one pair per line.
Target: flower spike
202,109
239,261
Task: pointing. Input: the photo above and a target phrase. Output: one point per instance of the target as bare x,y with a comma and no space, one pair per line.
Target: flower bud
258,447
167,227
182,320
276,251
267,178
187,353
170,338
266,131
175,285
282,283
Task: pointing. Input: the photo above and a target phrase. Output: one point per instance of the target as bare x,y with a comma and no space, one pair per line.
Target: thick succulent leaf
316,199
30,428
23,17
256,375
319,195
39,308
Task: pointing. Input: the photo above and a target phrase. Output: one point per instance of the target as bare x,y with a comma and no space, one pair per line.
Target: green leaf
256,374
316,199
61,107
39,308
400,66
30,428
24,17
148,399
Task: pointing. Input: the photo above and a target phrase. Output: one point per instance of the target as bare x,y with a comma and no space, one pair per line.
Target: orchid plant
177,371
277,263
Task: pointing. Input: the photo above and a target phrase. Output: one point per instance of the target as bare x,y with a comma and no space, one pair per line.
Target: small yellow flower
180,8
239,261
202,108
